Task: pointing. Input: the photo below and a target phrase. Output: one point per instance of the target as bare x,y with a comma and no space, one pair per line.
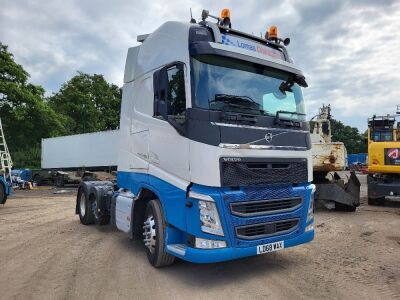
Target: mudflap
338,194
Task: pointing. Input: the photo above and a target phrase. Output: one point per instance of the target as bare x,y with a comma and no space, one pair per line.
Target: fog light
209,244
310,227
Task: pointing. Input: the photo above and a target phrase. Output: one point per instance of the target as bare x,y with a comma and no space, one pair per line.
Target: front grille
258,231
252,171
257,208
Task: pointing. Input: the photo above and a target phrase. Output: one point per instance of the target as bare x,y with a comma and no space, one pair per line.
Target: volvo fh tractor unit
214,152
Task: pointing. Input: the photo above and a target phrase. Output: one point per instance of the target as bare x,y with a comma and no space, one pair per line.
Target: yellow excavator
383,158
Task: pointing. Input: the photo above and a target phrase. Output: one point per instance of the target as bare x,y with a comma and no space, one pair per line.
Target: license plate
261,249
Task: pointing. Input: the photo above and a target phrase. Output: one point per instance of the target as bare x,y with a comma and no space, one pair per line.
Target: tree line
85,103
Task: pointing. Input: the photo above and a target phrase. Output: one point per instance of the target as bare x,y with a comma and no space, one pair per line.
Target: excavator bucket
339,193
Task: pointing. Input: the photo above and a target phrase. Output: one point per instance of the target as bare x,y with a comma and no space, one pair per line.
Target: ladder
5,157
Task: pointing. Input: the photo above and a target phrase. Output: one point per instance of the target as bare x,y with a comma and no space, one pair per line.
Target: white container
87,150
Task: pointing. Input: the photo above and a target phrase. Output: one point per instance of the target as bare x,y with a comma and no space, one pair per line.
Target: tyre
60,180
84,207
100,217
37,180
3,196
376,201
154,236
343,207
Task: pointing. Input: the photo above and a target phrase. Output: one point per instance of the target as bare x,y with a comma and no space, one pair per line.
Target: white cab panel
204,160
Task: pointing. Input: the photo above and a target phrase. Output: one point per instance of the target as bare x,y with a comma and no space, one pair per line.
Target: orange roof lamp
272,35
223,20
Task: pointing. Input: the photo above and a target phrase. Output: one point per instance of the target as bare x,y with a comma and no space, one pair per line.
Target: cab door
169,149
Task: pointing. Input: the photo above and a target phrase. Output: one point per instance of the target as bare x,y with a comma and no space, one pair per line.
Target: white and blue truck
214,152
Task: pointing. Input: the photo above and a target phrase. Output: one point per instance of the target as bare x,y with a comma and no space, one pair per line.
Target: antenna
192,20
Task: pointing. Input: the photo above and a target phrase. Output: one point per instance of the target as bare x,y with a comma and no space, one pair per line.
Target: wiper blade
237,101
288,121
289,113
235,97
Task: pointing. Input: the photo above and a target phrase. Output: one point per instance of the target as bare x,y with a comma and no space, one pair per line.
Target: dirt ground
45,253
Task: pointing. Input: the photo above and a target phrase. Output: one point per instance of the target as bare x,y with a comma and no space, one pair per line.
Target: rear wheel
3,196
154,228
85,210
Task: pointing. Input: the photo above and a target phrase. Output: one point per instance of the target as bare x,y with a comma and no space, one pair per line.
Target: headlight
310,213
209,217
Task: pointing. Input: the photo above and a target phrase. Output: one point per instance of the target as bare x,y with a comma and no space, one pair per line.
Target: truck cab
383,159
214,158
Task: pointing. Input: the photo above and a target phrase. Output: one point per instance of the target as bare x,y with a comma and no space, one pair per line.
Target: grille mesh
250,173
254,208
267,229
258,193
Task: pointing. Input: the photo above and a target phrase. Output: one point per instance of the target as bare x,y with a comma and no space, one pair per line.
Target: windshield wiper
288,121
238,101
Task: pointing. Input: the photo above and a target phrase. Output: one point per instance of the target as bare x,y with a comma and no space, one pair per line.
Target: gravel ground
46,254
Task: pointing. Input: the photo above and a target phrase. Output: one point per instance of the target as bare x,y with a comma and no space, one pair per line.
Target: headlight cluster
310,213
209,217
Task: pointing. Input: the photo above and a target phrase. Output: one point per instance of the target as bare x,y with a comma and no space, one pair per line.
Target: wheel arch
145,194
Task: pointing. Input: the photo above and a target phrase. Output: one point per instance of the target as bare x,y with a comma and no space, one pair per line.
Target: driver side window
169,92
176,91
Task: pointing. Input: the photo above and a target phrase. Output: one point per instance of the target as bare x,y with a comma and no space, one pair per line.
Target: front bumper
217,255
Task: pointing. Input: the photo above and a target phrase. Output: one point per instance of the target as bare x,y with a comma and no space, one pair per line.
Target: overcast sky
348,50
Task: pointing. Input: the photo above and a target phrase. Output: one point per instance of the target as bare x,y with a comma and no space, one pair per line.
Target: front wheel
154,228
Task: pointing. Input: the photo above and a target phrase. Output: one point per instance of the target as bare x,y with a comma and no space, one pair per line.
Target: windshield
382,135
232,85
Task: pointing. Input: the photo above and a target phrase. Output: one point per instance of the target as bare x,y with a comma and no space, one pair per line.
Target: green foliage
89,103
86,103
27,158
26,116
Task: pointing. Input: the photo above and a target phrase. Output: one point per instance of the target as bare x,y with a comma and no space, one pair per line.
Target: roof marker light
225,19
272,33
225,13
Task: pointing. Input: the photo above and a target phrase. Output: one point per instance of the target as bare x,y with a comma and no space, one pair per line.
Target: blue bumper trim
211,256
